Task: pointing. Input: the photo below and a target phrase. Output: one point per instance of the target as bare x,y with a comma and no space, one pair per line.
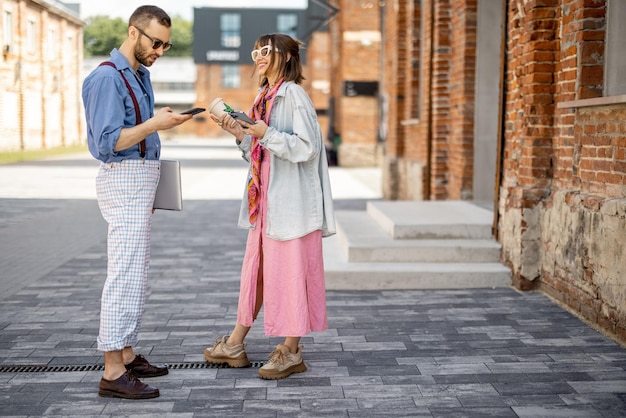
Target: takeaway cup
217,107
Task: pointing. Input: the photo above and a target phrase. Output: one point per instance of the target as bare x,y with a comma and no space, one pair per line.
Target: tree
103,33
181,37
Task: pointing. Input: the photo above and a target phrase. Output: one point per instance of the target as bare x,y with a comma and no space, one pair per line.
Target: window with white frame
614,56
230,76
52,45
31,36
287,24
7,30
230,27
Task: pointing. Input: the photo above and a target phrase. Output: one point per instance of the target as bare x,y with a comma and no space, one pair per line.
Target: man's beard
142,55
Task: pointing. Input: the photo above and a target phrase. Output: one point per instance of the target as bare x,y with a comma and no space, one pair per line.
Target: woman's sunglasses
263,52
156,44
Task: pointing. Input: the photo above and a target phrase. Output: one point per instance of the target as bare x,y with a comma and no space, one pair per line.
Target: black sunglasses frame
156,43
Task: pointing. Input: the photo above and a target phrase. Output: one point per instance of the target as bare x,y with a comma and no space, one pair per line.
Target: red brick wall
580,76
563,210
429,82
356,57
562,193
462,80
528,153
440,91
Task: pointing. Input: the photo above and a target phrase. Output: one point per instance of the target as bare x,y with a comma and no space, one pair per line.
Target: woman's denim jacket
299,195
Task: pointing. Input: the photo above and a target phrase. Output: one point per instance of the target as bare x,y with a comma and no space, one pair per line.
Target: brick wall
356,57
429,83
462,80
562,195
40,103
563,200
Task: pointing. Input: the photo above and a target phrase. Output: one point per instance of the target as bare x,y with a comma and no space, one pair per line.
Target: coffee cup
218,107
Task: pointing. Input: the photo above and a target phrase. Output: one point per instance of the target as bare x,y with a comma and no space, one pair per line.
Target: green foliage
103,33
181,37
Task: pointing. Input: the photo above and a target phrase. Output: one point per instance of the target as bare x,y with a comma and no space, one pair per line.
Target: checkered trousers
125,193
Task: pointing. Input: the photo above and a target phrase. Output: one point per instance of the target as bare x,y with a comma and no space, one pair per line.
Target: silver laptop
169,194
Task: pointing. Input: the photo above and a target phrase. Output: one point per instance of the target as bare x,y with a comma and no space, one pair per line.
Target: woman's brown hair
286,61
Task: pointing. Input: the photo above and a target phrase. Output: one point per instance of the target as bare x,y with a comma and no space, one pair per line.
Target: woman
288,208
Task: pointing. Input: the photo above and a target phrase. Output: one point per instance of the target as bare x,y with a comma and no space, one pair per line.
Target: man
122,133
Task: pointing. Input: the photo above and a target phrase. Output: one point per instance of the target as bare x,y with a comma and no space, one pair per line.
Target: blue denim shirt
109,108
299,195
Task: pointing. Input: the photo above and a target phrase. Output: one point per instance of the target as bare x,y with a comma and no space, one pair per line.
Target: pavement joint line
57,368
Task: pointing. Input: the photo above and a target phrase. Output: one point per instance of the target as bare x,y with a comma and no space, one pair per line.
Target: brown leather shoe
141,368
126,386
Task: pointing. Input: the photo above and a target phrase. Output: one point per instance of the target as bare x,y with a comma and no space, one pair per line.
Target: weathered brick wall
40,103
563,199
528,155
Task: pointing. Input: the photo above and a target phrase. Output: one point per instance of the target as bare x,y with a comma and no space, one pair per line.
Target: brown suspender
142,144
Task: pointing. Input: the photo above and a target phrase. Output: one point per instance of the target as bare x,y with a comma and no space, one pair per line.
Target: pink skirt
294,289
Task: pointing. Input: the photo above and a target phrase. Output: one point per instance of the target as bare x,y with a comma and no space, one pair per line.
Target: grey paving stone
473,413
607,386
555,412
387,403
483,401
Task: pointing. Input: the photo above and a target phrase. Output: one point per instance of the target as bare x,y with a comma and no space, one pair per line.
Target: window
7,33
287,24
230,25
52,45
31,36
614,57
230,76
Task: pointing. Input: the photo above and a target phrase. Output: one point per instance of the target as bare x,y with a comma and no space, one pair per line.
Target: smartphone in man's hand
193,111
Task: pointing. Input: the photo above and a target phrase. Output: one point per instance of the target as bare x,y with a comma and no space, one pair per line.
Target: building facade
223,39
520,106
40,75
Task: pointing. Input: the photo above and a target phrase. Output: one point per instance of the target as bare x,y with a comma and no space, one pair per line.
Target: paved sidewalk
457,353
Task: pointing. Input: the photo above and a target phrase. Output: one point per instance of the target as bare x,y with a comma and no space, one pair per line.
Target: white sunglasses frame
257,52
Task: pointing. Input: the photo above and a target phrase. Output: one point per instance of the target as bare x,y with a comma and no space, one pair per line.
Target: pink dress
294,290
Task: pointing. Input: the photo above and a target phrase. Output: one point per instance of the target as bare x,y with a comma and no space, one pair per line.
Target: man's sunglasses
156,44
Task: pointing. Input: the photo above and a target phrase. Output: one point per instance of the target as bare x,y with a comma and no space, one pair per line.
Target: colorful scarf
260,111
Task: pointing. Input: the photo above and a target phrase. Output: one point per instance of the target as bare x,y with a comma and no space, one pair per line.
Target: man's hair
144,15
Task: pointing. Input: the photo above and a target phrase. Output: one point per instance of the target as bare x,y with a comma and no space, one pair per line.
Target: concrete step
432,219
344,275
363,240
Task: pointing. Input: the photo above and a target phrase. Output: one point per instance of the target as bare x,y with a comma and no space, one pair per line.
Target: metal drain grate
20,368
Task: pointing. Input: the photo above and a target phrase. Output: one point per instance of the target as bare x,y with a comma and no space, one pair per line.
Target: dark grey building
227,35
